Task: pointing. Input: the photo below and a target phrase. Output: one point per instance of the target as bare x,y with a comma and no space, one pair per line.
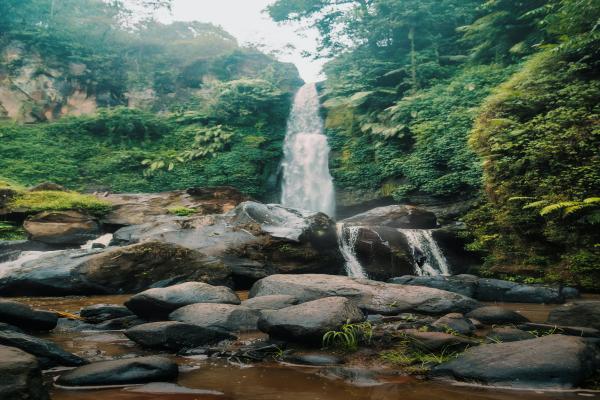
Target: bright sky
245,20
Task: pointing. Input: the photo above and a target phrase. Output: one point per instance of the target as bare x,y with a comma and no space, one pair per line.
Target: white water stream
347,237
307,183
429,258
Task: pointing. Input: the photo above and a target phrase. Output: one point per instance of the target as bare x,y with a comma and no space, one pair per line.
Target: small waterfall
307,183
429,258
347,237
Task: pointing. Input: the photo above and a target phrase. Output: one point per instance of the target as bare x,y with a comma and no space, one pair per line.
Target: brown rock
61,227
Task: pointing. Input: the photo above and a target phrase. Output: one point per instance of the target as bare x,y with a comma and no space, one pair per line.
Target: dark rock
158,303
570,293
499,290
494,315
272,302
503,334
61,227
395,216
20,376
577,313
8,327
48,354
548,329
374,297
23,316
454,322
10,250
228,317
175,335
118,324
462,284
121,372
549,362
308,322
437,341
314,359
103,312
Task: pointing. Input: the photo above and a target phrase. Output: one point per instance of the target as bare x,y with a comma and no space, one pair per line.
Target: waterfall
307,183
347,237
429,258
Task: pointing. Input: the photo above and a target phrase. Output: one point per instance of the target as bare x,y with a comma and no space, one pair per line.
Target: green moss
59,201
181,211
11,232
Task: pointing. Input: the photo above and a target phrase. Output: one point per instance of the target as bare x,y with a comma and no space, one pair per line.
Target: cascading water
429,259
347,237
307,183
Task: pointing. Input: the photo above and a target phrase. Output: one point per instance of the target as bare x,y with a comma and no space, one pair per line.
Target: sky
245,20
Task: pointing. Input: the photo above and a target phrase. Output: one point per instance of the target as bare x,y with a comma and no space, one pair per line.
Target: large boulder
549,362
371,296
454,323
175,335
61,227
98,313
308,322
508,334
23,316
395,216
577,313
115,270
48,354
273,302
158,303
462,284
228,317
20,376
494,315
121,372
437,341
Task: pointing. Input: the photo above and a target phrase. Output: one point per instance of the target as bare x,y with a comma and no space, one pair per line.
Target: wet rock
10,250
228,317
504,334
499,290
549,362
395,216
494,315
308,322
121,372
314,359
20,376
272,302
577,313
174,335
48,354
462,284
117,324
354,376
437,341
8,327
61,227
549,329
164,388
570,293
25,317
373,297
158,303
103,312
454,322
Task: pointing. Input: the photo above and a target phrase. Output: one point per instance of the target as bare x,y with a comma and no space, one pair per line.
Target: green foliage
11,232
59,201
182,211
410,352
349,336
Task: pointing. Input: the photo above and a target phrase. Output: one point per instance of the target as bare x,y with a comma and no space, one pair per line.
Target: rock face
174,335
462,284
98,313
20,376
308,322
395,216
23,316
61,227
121,372
48,354
116,270
371,296
577,313
158,303
549,362
228,317
273,302
494,315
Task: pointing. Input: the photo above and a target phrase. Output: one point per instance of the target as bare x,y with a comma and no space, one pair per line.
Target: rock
314,359
158,303
228,317
373,297
308,322
10,250
550,329
103,312
48,354
570,293
549,362
128,269
174,335
437,341
494,315
25,317
20,376
577,313
61,227
47,187
395,216
461,284
163,388
8,327
272,302
499,290
121,372
353,376
454,322
503,334
117,324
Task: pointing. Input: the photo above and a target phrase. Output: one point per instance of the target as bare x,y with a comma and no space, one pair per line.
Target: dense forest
491,104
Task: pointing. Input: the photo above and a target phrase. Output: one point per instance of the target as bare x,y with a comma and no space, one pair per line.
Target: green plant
11,232
349,336
59,201
181,211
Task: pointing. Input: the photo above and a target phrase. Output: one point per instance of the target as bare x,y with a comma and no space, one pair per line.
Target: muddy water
204,379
